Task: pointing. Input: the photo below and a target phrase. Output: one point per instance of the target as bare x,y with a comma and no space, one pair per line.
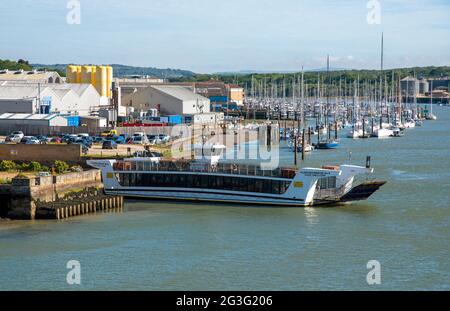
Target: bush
61,167
23,167
34,166
6,165
45,168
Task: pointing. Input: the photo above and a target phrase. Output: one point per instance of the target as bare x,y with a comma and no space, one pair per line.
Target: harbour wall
50,197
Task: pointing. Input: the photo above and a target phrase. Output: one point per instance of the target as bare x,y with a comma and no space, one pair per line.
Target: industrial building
220,94
71,99
235,94
34,76
101,77
411,86
23,119
168,100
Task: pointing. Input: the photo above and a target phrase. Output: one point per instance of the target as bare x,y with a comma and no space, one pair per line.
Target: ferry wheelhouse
214,181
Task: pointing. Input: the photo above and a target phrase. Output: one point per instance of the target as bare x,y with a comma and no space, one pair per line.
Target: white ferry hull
206,197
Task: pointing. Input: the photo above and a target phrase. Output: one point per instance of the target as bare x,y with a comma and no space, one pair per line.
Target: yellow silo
86,74
73,74
109,79
94,76
101,78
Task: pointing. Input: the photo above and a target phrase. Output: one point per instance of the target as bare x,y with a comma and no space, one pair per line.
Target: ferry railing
185,166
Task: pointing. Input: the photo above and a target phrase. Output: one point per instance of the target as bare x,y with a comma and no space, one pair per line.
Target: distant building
410,86
34,76
219,93
440,83
235,94
167,99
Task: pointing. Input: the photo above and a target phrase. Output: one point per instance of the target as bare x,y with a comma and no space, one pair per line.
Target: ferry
213,181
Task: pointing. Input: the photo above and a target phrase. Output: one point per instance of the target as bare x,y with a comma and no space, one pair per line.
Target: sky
208,36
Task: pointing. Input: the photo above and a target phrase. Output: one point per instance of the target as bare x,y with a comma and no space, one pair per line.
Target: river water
176,246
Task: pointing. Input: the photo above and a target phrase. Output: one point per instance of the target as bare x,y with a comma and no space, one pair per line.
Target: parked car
13,138
119,139
109,144
18,133
154,139
98,140
43,174
42,139
108,133
84,147
30,140
55,139
138,134
164,138
137,140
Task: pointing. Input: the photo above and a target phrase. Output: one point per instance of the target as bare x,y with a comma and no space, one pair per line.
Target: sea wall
45,154
24,198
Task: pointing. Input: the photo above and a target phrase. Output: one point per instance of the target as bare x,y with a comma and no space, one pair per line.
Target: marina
404,226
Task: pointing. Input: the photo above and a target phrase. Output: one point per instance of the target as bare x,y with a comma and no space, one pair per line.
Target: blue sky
218,35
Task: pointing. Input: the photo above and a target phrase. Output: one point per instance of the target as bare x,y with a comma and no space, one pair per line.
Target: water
176,246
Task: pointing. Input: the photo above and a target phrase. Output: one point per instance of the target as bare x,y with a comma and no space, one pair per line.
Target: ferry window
276,187
138,181
258,185
181,180
219,182
227,183
190,180
204,181
327,182
251,185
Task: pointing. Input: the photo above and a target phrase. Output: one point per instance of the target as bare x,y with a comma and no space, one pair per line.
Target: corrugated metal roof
19,92
27,116
179,92
78,88
27,75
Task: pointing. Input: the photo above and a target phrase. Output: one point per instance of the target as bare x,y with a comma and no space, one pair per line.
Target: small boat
308,147
431,117
355,133
419,123
382,133
409,124
327,144
397,132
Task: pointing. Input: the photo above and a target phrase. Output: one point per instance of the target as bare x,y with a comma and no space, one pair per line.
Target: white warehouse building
168,99
23,119
71,99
